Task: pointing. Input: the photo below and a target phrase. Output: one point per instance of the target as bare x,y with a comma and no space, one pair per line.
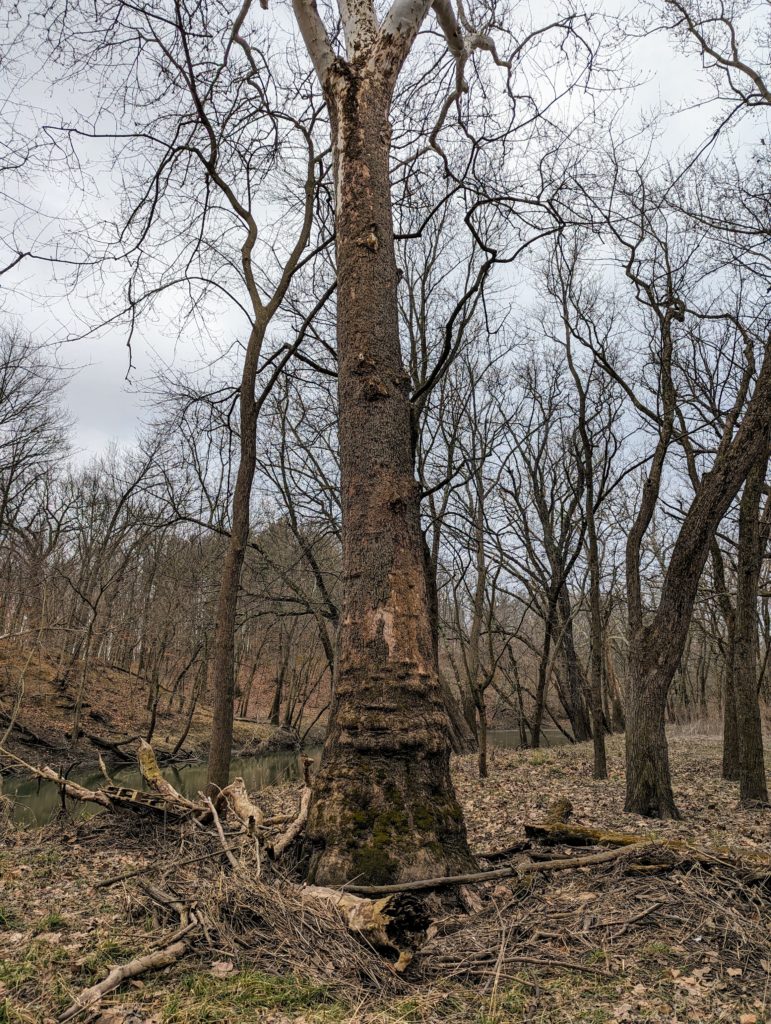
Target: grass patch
9,919
205,999
104,956
50,923
24,982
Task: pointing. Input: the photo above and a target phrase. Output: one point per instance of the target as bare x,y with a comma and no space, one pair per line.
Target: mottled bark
648,779
383,806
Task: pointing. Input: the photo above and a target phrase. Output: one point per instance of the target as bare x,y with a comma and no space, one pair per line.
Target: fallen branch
237,799
521,869
112,747
218,825
582,835
285,840
147,868
149,962
71,789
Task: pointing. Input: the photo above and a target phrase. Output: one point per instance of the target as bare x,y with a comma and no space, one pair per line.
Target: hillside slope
116,709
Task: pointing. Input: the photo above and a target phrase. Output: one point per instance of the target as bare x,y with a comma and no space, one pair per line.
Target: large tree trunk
383,806
222,662
649,784
752,771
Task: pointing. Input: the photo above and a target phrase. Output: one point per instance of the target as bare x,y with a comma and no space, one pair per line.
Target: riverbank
597,946
37,708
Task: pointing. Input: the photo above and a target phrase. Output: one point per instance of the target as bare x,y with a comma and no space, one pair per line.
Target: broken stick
142,964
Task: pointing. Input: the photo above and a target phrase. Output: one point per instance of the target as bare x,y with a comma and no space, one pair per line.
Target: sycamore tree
383,806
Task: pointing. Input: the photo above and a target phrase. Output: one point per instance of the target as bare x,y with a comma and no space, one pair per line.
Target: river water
37,802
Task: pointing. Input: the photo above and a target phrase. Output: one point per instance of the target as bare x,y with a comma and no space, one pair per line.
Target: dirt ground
596,945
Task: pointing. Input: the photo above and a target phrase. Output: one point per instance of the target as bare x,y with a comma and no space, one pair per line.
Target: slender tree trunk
752,770
462,739
595,647
275,708
617,714
482,711
222,662
383,806
730,768
543,673
655,649
575,680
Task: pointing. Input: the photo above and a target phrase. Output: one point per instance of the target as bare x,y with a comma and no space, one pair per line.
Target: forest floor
597,945
115,710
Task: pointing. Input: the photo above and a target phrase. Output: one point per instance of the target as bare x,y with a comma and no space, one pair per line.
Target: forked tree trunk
383,806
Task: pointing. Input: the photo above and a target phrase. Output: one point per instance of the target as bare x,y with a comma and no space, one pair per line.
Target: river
37,802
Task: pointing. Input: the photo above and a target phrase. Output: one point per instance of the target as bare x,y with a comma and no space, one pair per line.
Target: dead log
396,924
113,748
151,773
29,737
557,833
70,789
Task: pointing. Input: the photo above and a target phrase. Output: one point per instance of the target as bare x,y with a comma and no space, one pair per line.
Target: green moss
654,950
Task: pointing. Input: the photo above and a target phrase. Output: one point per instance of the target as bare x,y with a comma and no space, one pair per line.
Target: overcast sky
106,405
